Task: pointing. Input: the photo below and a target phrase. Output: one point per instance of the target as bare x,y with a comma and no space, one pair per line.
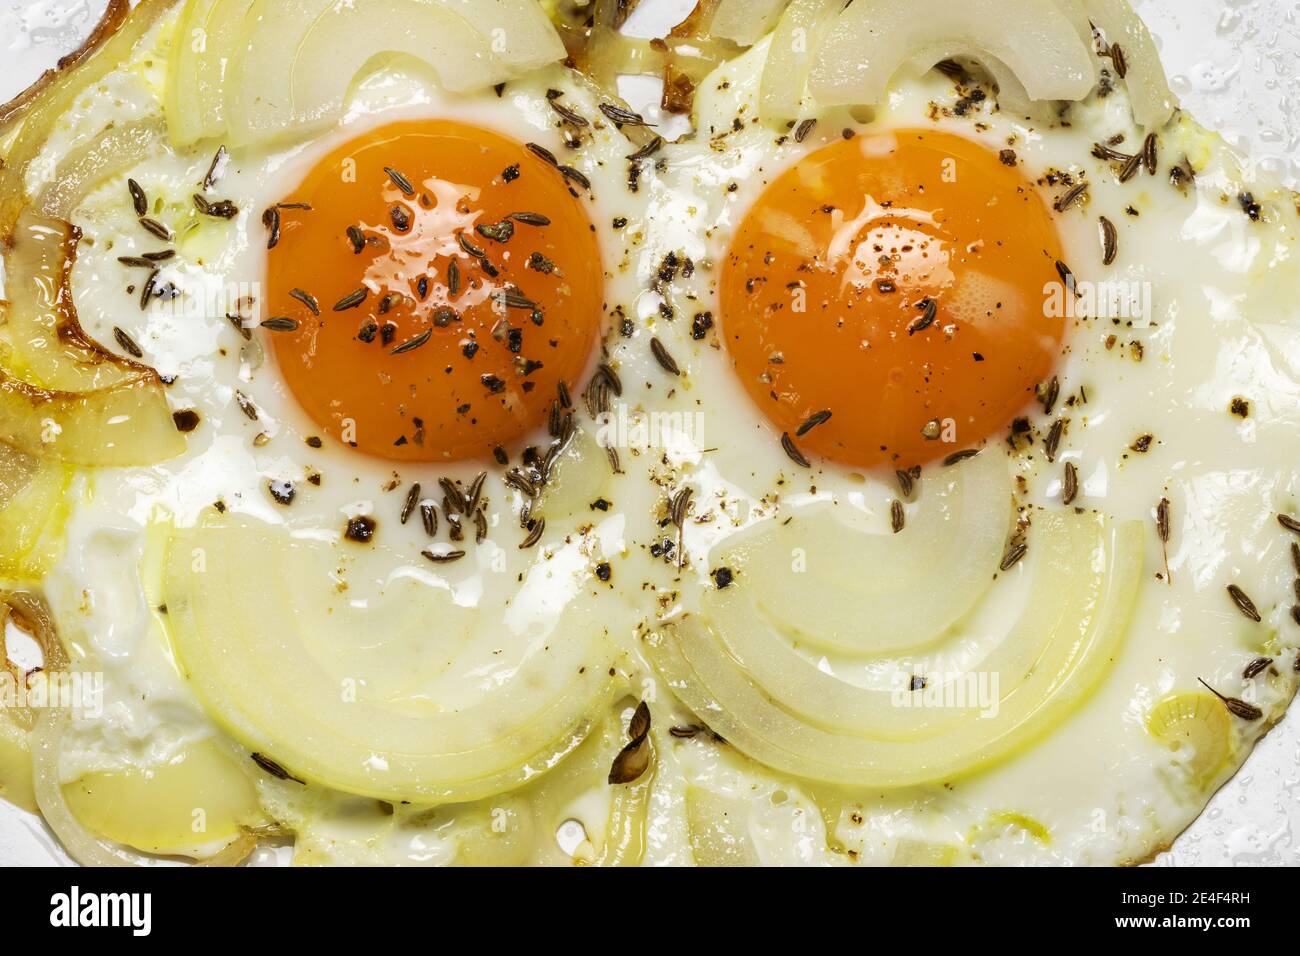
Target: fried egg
909,485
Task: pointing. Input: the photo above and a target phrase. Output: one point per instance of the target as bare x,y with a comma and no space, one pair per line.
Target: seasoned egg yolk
897,281
444,281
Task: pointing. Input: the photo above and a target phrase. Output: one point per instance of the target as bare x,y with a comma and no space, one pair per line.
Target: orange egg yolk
896,281
444,282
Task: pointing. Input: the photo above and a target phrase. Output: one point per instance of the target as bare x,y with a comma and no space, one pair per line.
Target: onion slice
273,667
873,39
298,58
745,21
626,825
113,151
17,472
80,844
32,616
718,828
876,594
56,99
1086,576
62,395
1152,101
795,42
32,514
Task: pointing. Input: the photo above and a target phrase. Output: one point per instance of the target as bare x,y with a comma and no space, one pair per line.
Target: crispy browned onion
42,112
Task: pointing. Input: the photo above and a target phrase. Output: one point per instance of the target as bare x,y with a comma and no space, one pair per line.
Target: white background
1236,66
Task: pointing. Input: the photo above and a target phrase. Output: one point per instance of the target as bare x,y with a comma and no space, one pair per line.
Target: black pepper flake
701,324
360,529
722,577
493,384
282,491
501,231
186,419
539,263
510,173
603,571
399,217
